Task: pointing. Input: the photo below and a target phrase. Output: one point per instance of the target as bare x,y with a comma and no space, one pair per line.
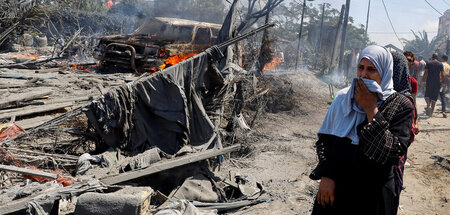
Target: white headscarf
383,61
344,114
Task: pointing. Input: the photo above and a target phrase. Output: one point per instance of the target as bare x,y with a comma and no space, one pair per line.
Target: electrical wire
402,32
389,18
433,7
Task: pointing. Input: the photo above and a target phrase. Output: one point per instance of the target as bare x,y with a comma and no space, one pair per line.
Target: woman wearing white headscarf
365,132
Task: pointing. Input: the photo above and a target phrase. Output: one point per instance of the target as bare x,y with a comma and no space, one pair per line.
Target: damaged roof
181,22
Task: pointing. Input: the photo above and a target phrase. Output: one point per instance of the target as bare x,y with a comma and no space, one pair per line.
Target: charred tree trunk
265,53
252,17
344,31
336,41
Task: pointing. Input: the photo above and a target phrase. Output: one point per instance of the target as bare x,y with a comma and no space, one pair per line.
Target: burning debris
147,51
273,64
79,136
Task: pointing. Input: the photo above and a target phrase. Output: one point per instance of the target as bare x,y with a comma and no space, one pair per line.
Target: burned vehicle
156,44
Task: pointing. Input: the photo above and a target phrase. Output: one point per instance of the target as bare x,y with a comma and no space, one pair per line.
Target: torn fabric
164,110
183,207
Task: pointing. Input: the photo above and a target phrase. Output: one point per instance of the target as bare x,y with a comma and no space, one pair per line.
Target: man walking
434,72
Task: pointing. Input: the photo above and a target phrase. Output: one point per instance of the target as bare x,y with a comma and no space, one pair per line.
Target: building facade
444,24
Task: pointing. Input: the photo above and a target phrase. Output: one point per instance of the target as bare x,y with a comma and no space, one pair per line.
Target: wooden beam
28,171
39,153
23,97
29,111
168,164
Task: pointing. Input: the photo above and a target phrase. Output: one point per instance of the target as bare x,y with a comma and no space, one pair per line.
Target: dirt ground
282,155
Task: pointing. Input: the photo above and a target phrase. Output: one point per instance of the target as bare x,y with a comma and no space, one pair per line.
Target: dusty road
282,156
427,183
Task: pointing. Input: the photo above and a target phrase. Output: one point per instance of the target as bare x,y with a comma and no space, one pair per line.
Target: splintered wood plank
16,151
28,171
14,99
168,164
29,111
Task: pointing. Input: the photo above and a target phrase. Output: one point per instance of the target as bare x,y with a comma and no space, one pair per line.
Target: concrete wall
444,24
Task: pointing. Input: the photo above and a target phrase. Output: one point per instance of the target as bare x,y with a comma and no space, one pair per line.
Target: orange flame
85,67
172,60
273,64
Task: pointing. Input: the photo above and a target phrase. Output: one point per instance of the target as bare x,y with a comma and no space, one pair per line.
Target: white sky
406,15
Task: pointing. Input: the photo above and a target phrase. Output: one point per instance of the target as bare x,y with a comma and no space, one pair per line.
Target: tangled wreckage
146,51
148,145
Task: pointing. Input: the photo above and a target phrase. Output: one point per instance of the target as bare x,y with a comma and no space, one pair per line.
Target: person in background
434,72
413,83
406,84
366,131
399,62
444,81
422,65
414,91
412,63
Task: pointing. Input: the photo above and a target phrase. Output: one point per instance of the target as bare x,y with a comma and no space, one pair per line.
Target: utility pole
300,34
341,16
367,20
344,31
321,28
320,35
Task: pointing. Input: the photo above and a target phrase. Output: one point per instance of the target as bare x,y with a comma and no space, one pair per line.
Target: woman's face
367,70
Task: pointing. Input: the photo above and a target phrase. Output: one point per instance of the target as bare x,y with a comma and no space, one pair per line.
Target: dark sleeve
326,166
387,137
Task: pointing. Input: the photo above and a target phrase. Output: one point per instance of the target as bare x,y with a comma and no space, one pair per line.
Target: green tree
356,37
288,16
